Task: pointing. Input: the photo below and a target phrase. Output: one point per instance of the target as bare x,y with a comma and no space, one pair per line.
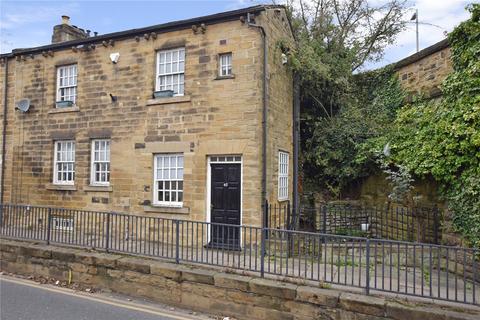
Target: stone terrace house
165,121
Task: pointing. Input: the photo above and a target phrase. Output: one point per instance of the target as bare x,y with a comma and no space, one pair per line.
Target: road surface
26,300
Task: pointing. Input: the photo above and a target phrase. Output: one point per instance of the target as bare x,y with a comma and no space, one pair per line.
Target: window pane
100,161
169,168
170,70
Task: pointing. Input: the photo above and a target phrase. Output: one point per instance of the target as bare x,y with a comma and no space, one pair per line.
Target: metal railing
394,223
408,268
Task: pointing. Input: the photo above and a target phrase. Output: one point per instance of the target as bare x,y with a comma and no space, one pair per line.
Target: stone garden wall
212,290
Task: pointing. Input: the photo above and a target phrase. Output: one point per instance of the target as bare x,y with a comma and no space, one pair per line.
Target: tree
335,39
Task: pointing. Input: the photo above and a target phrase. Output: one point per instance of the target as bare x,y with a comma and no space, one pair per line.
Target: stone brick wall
424,72
214,117
280,99
211,290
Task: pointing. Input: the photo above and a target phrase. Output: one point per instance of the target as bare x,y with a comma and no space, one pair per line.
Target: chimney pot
65,20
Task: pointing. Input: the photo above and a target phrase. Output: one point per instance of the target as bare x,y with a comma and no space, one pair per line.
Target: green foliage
442,138
399,177
340,110
340,146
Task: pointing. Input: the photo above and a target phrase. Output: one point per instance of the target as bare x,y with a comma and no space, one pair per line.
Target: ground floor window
64,162
168,176
100,167
282,175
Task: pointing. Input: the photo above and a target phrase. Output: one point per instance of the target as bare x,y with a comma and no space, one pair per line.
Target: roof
422,54
159,28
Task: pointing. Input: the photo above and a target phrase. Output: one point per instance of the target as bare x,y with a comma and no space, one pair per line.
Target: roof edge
422,54
164,27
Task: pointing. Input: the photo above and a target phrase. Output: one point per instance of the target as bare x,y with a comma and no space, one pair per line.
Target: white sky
29,23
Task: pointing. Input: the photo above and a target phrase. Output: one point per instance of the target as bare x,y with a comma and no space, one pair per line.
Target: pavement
22,299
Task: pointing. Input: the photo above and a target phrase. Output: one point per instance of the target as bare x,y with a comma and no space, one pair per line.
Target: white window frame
56,161
180,70
71,72
105,160
225,65
283,161
178,168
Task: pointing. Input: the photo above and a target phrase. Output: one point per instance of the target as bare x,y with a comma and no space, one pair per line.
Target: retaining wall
210,290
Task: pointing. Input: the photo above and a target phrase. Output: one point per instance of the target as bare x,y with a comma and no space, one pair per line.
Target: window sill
225,77
172,210
65,109
61,187
93,188
168,100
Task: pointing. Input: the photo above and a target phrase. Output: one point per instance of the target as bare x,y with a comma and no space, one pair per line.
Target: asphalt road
26,300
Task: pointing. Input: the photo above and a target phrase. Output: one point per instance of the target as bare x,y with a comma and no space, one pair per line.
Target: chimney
66,20
66,32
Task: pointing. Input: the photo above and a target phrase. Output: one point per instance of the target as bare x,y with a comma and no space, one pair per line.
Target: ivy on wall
442,138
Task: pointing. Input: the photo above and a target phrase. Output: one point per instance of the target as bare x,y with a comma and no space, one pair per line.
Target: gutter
264,113
4,139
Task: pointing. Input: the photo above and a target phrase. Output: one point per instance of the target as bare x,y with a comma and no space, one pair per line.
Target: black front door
225,206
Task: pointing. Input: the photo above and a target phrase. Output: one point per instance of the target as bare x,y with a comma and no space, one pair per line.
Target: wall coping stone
319,296
365,304
232,281
273,288
165,270
199,276
133,264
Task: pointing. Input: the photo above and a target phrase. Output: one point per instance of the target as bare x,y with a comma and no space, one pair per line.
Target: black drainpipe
4,139
296,144
264,113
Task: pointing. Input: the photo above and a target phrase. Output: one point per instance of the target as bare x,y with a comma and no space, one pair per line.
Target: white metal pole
416,22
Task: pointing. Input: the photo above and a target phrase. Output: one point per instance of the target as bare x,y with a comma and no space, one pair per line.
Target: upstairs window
67,84
225,64
64,162
100,171
171,71
168,175
283,175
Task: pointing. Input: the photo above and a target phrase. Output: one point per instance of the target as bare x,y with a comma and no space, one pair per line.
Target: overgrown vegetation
355,124
442,138
341,110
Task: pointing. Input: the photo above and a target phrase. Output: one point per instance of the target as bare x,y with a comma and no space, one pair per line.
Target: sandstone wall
425,75
213,291
214,117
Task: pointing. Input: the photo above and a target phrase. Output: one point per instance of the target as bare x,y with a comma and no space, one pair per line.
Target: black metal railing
409,268
394,223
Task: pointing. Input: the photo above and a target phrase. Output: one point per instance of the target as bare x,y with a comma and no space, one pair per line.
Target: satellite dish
23,105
